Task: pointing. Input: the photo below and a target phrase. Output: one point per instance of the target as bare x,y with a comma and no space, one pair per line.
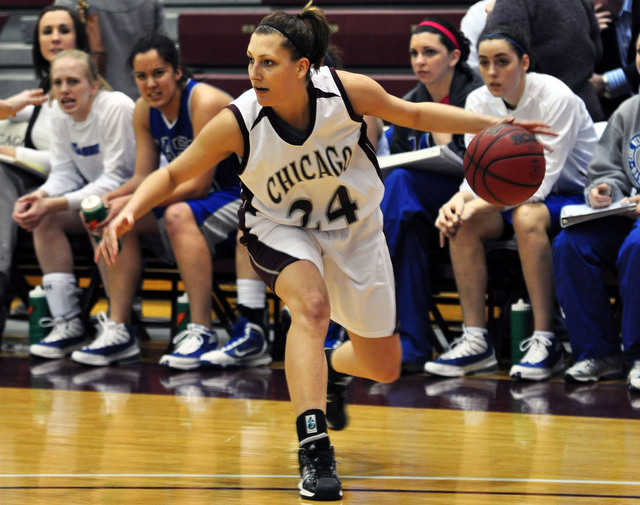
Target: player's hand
532,126
600,196
113,206
634,214
29,210
449,218
28,97
109,246
604,16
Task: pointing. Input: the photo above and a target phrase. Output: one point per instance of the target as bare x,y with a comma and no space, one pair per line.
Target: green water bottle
94,212
38,309
521,328
183,313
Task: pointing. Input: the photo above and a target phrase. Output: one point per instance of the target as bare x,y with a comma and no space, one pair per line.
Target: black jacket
462,84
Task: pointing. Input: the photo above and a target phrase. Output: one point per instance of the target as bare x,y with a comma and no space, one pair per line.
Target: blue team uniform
216,214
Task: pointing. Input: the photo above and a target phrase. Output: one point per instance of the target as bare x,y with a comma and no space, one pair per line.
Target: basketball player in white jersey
311,216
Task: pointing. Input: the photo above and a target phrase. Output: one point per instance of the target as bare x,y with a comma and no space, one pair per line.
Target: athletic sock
546,334
312,429
62,298
251,293
255,316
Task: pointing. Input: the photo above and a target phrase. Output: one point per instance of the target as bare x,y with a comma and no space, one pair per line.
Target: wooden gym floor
145,435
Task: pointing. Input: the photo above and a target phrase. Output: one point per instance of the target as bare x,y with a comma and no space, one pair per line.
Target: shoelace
466,345
59,324
191,339
111,333
321,463
537,346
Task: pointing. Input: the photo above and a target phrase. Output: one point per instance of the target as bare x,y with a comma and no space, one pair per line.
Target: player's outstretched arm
368,97
220,138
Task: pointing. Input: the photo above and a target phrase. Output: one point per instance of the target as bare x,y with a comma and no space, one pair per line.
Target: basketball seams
489,185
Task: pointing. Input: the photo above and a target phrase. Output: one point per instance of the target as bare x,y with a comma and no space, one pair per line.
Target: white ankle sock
60,290
547,334
251,293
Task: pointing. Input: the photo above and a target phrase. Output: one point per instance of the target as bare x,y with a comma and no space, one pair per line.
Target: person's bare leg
194,260
51,243
531,222
302,289
377,359
470,265
124,276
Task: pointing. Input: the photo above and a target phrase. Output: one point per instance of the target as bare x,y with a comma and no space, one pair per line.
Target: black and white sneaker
318,476
336,405
336,415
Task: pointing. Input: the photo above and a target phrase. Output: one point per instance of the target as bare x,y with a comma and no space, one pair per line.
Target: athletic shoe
115,344
66,337
247,347
189,346
467,355
543,359
318,476
336,415
634,378
336,335
592,370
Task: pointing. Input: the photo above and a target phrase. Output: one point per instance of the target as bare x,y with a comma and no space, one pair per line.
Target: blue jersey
173,138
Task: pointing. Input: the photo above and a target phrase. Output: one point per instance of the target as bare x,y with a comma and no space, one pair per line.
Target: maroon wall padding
368,38
236,84
26,4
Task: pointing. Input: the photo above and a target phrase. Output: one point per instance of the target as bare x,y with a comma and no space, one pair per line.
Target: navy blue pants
410,206
581,255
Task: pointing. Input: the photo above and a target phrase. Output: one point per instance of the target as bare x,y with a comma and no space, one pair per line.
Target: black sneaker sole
327,490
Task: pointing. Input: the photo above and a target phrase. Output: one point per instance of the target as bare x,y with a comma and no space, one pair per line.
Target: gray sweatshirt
616,157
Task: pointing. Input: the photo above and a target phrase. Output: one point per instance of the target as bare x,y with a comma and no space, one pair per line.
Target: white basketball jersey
325,178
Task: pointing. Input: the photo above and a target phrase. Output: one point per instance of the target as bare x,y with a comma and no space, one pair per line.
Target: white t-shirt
94,156
549,100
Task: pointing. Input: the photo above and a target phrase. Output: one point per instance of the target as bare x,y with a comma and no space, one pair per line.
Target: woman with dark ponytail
412,198
311,214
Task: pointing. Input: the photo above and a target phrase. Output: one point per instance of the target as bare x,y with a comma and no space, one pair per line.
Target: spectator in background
585,252
57,29
412,197
122,23
92,152
472,25
565,41
616,77
468,220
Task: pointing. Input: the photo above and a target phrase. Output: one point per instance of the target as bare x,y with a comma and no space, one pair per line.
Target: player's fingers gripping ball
504,164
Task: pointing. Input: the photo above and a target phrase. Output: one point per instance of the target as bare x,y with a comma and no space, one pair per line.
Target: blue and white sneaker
543,359
189,346
336,335
634,378
115,344
66,337
468,354
247,347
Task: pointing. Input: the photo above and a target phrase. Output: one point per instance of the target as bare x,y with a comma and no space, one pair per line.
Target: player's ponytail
306,34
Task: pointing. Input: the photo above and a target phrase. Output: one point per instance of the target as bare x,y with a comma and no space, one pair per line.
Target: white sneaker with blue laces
471,353
115,344
543,359
189,346
247,347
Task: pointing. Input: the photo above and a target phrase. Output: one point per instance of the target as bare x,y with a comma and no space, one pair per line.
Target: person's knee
389,371
176,216
315,309
528,219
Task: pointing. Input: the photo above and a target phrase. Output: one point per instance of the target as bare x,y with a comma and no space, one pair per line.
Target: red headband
441,28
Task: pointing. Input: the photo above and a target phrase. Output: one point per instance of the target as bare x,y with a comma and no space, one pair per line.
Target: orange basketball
504,164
